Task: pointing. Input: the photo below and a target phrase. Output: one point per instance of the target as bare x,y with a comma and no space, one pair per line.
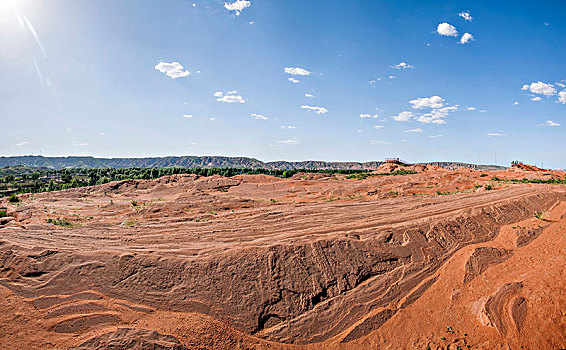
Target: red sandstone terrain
438,259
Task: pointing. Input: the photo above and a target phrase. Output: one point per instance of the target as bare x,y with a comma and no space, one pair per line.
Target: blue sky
292,80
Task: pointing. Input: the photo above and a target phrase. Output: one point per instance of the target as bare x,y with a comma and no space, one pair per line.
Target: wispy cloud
296,71
259,116
403,65
317,110
288,127
465,15
435,136
188,116
238,6
562,97
293,80
497,134
309,95
437,115
229,97
368,116
379,126
22,143
549,123
403,116
379,142
173,70
289,142
417,130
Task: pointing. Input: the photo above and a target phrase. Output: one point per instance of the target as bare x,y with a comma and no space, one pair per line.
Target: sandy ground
440,259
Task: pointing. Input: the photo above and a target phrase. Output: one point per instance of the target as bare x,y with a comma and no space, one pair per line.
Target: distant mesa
211,162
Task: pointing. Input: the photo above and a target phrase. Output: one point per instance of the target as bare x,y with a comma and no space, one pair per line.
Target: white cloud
229,97
540,88
309,95
515,103
379,126
237,6
252,23
259,116
435,136
536,98
368,116
101,134
561,85
466,16
288,127
471,108
317,110
403,116
289,142
391,77
212,118
466,38
446,29
417,130
188,116
403,65
562,97
427,102
437,116
173,70
296,71
22,143
549,123
379,142
293,80
82,144
483,111
498,134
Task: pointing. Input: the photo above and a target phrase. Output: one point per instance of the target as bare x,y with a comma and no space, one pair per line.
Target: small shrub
489,187
134,203
483,175
541,215
3,214
13,199
63,222
440,193
129,223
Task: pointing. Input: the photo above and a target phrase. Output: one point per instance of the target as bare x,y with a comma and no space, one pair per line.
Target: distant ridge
203,162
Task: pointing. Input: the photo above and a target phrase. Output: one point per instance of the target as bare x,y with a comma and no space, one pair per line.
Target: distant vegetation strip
14,180
532,181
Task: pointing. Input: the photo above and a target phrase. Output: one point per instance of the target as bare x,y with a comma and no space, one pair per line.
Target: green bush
3,214
13,199
63,222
